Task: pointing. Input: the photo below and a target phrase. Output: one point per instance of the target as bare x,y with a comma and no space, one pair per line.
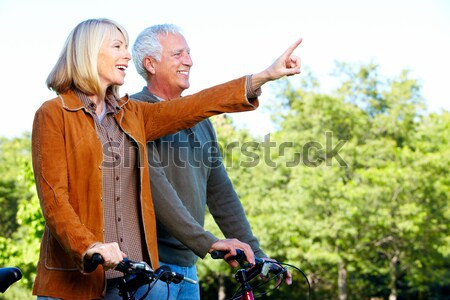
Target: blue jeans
182,291
112,294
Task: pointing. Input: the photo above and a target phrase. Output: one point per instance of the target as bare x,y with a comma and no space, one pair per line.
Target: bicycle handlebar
90,264
127,267
216,254
248,272
8,276
240,255
240,258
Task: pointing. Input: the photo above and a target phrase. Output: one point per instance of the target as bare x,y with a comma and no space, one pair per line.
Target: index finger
249,254
288,278
292,47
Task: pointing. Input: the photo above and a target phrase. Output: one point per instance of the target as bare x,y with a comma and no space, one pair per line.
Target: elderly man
186,169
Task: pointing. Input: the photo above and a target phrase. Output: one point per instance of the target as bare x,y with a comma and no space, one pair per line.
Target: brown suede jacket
67,163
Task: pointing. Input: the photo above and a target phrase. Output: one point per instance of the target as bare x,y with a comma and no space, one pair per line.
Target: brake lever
265,269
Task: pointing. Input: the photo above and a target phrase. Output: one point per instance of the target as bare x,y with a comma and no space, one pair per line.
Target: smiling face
113,59
170,76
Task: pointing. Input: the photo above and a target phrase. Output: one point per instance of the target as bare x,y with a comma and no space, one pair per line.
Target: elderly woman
90,160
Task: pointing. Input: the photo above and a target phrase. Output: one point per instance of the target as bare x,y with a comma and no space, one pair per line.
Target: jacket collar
72,102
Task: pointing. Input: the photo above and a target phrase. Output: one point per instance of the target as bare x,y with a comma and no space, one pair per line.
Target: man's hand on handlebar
231,245
262,268
288,278
110,252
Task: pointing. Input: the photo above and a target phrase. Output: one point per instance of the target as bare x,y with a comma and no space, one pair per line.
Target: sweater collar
146,96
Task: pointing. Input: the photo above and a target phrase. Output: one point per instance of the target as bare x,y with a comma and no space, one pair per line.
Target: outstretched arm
171,116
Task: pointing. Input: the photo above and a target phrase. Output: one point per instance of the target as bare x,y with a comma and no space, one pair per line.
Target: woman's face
113,60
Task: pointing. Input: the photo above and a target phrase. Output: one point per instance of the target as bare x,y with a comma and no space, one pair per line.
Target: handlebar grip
240,256
90,264
217,254
276,269
8,276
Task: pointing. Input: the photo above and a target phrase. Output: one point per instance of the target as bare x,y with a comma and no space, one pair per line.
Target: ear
149,64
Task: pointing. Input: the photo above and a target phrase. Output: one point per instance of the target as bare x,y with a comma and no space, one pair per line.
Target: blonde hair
76,67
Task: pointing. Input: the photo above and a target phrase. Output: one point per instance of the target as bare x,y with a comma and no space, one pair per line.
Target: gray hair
147,44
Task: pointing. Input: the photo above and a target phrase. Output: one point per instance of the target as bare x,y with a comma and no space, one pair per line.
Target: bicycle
8,276
248,273
137,274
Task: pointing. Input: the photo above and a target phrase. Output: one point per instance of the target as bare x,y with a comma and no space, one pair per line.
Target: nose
127,55
188,60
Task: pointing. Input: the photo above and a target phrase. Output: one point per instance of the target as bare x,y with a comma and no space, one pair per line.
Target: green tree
21,231
353,187
14,155
359,212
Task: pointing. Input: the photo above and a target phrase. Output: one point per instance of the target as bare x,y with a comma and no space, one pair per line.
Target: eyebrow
180,50
120,41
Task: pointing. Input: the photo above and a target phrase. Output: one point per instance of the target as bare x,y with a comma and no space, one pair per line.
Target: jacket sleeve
167,117
171,212
226,208
49,156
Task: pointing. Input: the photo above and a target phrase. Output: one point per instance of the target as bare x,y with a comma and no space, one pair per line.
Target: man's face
172,72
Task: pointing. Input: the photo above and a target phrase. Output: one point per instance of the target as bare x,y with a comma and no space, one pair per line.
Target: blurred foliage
20,210
353,187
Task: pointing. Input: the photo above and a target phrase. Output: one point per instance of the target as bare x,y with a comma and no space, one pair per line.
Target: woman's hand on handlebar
110,252
231,245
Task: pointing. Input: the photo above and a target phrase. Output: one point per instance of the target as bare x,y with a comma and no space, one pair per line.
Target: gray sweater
186,174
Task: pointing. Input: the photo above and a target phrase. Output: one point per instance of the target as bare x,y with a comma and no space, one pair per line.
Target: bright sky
230,39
